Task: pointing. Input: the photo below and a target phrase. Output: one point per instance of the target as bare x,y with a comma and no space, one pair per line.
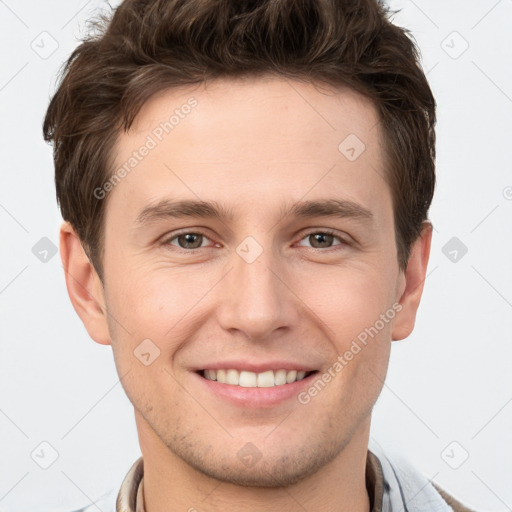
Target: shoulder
456,505
407,487
121,497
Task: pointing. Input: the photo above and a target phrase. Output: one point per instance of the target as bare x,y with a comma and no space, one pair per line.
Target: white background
449,381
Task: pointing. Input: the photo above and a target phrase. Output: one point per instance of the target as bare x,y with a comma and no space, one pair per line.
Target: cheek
355,306
155,312
153,304
349,300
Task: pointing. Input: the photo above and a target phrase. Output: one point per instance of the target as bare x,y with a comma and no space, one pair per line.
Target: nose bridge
257,301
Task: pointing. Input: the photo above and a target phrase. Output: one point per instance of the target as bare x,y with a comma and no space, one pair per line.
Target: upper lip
256,367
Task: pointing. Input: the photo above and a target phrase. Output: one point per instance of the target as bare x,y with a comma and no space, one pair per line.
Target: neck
171,484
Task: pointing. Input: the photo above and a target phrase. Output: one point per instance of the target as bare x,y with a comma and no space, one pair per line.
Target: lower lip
256,397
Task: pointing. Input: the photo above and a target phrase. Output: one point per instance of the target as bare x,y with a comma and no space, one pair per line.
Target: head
269,117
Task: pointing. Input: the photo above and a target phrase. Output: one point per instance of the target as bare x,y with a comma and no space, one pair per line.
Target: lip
254,398
255,367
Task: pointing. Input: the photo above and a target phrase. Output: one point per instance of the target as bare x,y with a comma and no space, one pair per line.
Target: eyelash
168,241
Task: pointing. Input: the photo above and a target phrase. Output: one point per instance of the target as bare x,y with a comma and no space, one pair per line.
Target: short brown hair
148,46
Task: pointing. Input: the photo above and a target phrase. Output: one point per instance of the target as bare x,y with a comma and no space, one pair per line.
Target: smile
247,379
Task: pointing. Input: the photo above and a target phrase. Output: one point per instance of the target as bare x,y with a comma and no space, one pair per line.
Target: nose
257,298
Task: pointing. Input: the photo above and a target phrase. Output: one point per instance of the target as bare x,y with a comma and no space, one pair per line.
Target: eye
191,240
187,240
323,239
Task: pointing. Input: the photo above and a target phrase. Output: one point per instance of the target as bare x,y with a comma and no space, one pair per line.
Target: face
292,259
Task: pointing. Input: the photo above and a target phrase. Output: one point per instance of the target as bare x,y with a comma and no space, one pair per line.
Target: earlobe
84,286
414,280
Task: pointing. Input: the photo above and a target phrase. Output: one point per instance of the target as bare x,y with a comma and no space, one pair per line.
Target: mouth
248,379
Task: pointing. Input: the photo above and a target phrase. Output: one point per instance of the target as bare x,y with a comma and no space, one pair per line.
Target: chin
278,470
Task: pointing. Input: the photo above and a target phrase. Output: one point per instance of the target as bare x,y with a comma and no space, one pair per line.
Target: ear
412,286
84,285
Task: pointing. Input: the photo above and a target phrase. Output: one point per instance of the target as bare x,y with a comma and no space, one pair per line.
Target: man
245,188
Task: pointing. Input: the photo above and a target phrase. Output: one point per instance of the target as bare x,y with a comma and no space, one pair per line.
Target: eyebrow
340,208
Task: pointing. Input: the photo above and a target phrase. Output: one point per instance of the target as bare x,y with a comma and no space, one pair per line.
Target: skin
248,143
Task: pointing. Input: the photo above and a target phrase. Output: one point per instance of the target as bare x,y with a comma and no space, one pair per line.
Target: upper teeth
247,379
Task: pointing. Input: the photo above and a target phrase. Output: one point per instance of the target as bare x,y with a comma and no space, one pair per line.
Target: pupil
323,238
189,239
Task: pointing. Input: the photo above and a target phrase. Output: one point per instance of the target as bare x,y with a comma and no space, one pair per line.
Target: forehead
267,137
252,106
